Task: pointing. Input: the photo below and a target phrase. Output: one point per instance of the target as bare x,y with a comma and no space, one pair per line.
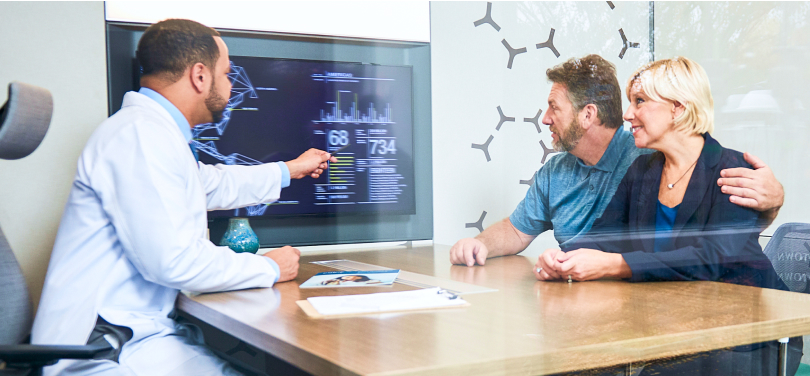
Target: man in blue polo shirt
573,188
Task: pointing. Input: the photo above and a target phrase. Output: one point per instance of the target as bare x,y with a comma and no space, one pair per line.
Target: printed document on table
385,302
352,278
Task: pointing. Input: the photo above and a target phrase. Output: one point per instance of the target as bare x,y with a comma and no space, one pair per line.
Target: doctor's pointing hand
311,163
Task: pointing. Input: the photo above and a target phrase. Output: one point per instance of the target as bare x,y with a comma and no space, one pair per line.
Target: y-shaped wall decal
549,43
504,118
512,52
610,4
479,224
488,19
535,120
530,181
485,147
626,44
546,151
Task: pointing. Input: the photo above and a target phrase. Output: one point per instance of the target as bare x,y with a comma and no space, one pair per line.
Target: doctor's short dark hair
591,80
169,47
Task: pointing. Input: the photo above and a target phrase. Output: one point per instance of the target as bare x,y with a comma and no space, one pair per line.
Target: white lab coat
133,235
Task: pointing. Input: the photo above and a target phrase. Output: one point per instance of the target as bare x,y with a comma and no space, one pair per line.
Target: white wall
390,20
756,56
59,46
471,79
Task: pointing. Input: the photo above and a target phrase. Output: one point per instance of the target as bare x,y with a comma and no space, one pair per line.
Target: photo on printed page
352,279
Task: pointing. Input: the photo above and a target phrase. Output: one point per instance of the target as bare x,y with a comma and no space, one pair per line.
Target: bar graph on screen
353,114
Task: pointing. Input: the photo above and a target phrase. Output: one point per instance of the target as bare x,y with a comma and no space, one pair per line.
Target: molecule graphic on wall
504,119
488,19
513,52
535,120
484,147
626,44
549,43
479,224
546,151
530,181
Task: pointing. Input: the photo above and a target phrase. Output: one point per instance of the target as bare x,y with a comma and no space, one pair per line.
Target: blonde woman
669,220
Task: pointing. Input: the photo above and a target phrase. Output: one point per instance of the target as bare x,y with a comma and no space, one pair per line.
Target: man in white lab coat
133,233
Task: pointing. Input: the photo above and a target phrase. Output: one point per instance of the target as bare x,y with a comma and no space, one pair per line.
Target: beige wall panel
59,46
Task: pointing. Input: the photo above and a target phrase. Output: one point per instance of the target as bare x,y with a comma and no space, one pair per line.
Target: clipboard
312,312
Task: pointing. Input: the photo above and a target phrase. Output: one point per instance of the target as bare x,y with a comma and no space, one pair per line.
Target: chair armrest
40,355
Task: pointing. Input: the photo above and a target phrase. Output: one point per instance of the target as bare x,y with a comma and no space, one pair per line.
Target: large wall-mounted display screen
291,93
362,113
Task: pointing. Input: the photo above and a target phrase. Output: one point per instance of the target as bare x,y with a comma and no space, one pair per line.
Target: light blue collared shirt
178,116
185,129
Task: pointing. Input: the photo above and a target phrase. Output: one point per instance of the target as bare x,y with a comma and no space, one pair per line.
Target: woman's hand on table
546,267
589,264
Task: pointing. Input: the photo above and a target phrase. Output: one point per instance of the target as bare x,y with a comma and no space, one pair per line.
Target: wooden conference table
526,327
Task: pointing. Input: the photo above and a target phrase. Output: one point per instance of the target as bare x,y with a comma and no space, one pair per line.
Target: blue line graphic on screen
241,87
279,108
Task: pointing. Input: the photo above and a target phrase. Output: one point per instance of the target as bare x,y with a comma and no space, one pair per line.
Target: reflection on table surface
527,326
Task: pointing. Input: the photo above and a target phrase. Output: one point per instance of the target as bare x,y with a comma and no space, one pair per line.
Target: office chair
789,252
24,120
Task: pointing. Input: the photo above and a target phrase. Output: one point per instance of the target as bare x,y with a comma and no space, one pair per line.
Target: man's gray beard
215,103
569,139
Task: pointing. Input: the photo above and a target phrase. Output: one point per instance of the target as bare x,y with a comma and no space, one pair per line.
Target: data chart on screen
279,108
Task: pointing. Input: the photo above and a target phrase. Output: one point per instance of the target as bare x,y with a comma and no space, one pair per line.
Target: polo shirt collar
178,117
614,151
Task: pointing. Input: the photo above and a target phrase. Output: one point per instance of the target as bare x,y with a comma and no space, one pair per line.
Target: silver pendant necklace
672,185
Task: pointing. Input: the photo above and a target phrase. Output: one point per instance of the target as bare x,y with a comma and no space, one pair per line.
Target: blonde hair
679,80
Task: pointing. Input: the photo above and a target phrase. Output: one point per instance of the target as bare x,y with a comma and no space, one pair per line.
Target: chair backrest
789,252
15,304
24,120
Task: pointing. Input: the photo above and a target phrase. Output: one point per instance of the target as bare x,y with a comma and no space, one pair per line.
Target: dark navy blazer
714,239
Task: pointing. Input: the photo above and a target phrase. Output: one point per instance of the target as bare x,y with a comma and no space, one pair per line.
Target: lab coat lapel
134,98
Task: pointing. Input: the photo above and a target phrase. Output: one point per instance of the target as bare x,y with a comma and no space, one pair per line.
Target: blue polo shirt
568,196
